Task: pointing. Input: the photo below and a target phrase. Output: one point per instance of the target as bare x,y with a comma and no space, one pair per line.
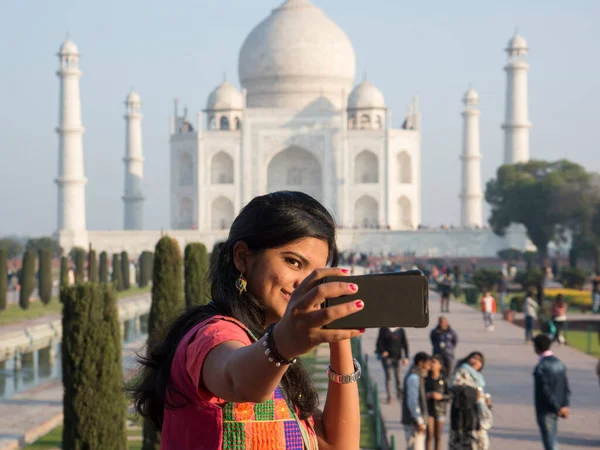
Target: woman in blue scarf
470,414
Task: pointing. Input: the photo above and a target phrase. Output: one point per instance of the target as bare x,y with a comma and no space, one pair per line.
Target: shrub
92,267
93,404
471,294
103,271
125,269
144,265
45,276
485,279
3,278
27,278
195,274
64,271
510,254
117,275
516,303
530,278
572,277
79,261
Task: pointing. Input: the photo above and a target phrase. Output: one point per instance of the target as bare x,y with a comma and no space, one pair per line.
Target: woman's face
475,363
436,365
274,273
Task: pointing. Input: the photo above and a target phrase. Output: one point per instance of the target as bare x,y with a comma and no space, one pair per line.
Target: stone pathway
508,374
33,413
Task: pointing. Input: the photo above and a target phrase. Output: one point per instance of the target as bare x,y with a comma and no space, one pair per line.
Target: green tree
486,279
103,271
535,194
117,274
510,254
45,276
92,267
167,297
64,271
125,270
145,268
79,263
93,404
27,278
3,278
13,246
195,274
44,243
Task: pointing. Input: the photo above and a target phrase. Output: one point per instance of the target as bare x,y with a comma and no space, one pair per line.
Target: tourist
559,317
444,340
226,374
595,293
551,391
488,308
445,288
414,403
470,413
436,391
530,308
392,348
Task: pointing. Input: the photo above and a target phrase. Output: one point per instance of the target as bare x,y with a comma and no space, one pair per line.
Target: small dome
471,97
366,95
517,42
133,97
68,48
225,96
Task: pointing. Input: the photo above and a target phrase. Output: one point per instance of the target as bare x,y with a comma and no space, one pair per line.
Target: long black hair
468,357
269,221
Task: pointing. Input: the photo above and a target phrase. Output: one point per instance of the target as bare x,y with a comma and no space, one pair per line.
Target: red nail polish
345,271
362,330
359,304
353,287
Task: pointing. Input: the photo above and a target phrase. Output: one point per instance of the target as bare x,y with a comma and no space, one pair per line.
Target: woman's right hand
299,330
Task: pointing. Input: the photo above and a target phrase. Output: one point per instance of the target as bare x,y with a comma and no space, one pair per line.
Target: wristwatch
345,379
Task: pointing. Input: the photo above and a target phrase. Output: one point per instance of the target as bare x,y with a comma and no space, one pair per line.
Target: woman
226,375
470,414
559,317
436,391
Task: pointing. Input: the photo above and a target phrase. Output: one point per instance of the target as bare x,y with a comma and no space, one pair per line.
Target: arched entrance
221,214
366,212
295,169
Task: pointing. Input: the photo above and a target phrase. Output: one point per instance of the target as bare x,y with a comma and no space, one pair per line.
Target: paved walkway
508,374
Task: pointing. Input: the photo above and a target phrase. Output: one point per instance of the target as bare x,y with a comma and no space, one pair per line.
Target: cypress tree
3,278
79,261
117,275
195,267
167,295
103,272
92,267
125,269
64,271
93,404
143,265
27,279
45,276
149,265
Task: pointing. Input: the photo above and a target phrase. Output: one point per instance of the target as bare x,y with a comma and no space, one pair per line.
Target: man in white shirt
530,308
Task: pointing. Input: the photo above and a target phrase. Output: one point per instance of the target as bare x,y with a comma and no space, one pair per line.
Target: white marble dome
517,42
133,97
471,97
366,95
295,56
68,47
225,96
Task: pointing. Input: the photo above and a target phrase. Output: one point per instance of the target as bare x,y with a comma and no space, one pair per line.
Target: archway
186,213
404,168
221,214
405,213
366,168
221,169
186,169
295,169
366,212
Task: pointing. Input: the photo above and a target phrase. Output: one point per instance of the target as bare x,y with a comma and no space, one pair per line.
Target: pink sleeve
208,337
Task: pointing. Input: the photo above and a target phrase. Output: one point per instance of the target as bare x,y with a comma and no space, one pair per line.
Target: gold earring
240,284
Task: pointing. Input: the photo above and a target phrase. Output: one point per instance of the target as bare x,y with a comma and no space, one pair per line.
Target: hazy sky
433,49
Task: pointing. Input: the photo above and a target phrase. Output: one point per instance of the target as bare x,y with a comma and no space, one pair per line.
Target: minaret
471,196
71,180
133,199
516,125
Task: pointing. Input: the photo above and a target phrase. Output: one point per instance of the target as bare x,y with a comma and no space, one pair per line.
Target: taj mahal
300,121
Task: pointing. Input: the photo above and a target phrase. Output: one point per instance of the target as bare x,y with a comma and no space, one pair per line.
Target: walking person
559,317
436,391
445,288
470,413
443,341
488,308
226,375
530,308
414,403
551,388
392,348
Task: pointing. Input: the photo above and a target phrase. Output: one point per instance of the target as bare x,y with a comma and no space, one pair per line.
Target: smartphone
398,299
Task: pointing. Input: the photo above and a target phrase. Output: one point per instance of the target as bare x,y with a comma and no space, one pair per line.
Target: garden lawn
579,340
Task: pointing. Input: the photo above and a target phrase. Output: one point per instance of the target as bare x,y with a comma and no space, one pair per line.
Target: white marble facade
298,124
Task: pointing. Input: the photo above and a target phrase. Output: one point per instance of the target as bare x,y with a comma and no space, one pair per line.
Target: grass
51,440
37,309
579,340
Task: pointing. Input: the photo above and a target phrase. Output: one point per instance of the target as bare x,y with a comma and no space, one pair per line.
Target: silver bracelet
345,379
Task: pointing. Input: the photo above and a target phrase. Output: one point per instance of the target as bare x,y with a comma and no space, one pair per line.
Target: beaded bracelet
271,349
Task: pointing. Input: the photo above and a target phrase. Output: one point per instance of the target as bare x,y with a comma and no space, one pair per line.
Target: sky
431,48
